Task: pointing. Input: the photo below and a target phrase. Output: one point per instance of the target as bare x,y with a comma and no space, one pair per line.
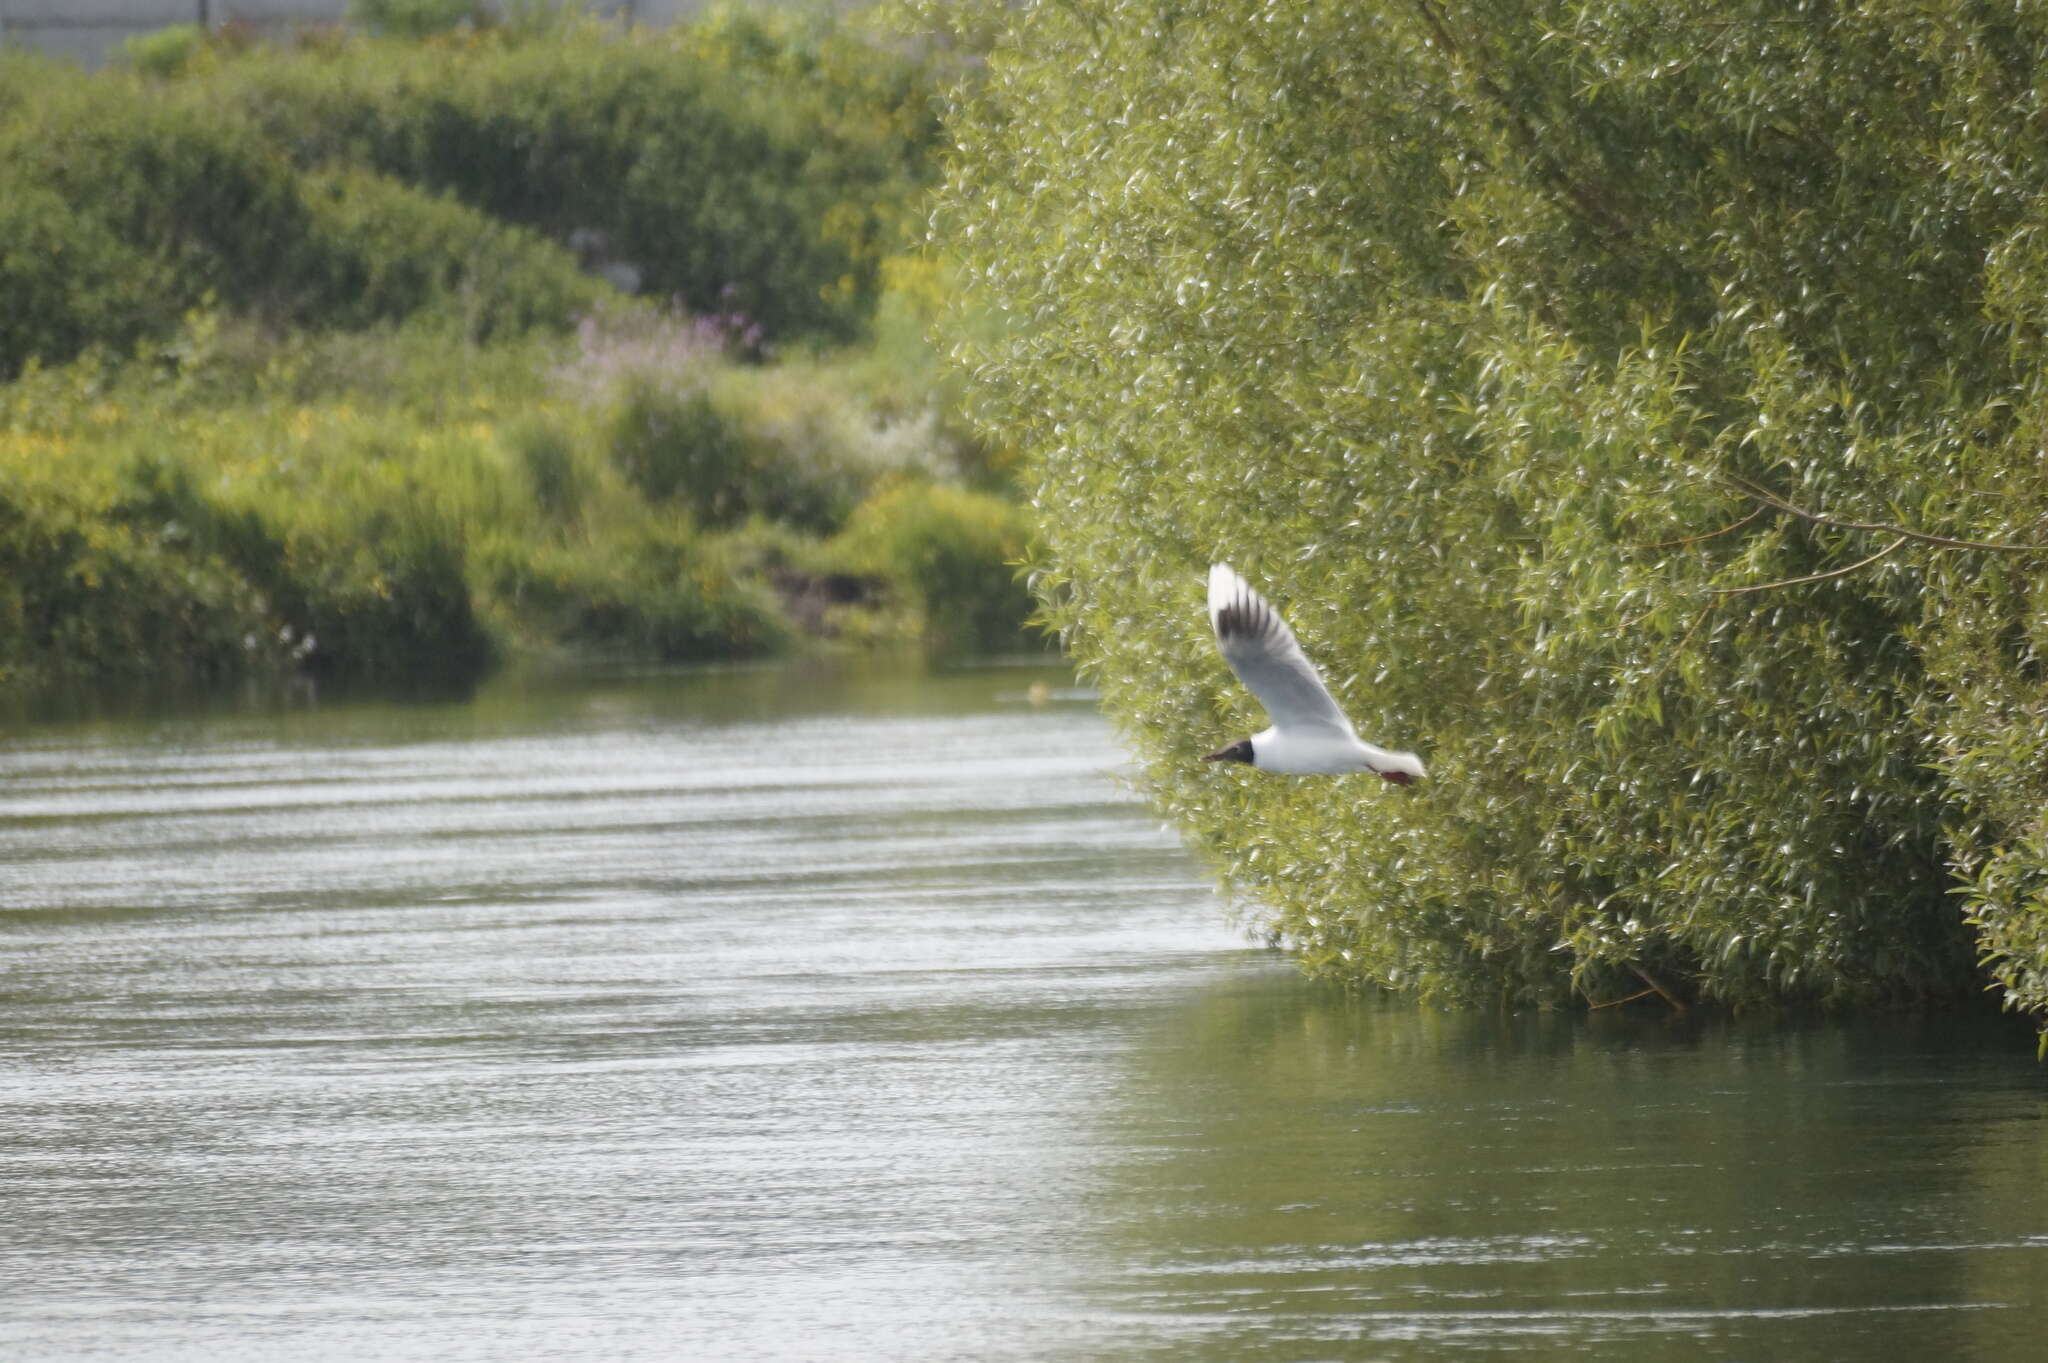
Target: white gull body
1310,735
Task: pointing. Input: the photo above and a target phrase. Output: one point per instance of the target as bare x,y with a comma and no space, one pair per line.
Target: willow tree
1637,405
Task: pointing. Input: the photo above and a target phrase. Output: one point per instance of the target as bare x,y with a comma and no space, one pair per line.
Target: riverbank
404,503
390,360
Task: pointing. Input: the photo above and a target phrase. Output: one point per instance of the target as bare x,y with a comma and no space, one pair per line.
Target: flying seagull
1310,735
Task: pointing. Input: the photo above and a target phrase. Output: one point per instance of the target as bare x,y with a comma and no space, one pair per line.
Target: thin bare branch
1893,547
1711,534
1665,994
1679,649
1616,1003
1777,503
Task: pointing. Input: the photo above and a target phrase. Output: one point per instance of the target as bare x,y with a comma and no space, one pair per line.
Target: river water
815,1013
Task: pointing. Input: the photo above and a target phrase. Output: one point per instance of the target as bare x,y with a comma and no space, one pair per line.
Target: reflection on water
1446,1185
800,1014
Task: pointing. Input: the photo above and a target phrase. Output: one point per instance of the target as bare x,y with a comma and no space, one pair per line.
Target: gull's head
1240,751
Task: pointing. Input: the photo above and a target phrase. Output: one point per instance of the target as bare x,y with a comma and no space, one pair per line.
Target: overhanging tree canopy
1606,392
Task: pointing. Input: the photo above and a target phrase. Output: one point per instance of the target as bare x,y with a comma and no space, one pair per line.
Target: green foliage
678,447
1465,328
282,375
415,18
409,503
387,597
733,451
763,168
795,443
956,552
67,280
86,591
122,212
119,213
547,455
729,183
654,591
382,251
166,53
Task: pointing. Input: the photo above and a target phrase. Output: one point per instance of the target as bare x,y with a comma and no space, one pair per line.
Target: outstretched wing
1263,653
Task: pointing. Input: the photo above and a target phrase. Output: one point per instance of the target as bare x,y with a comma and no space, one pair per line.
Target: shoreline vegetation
312,359
1641,403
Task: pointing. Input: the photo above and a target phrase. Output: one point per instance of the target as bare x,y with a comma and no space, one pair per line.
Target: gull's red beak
1399,778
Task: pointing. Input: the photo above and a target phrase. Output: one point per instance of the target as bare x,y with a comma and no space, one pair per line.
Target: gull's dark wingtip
1235,609
1235,621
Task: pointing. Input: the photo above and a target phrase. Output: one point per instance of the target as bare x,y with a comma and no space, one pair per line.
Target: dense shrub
85,595
727,455
718,189
167,52
762,167
729,442
1497,341
546,454
676,446
67,280
416,18
653,591
384,594
956,553
288,387
181,539
120,213
381,251
407,503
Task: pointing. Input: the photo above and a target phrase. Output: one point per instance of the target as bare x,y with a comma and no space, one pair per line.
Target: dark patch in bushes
957,551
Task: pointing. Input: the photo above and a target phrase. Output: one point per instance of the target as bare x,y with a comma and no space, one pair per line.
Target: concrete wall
92,31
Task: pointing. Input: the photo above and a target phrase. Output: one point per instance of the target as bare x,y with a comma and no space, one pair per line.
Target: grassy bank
316,361
407,503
